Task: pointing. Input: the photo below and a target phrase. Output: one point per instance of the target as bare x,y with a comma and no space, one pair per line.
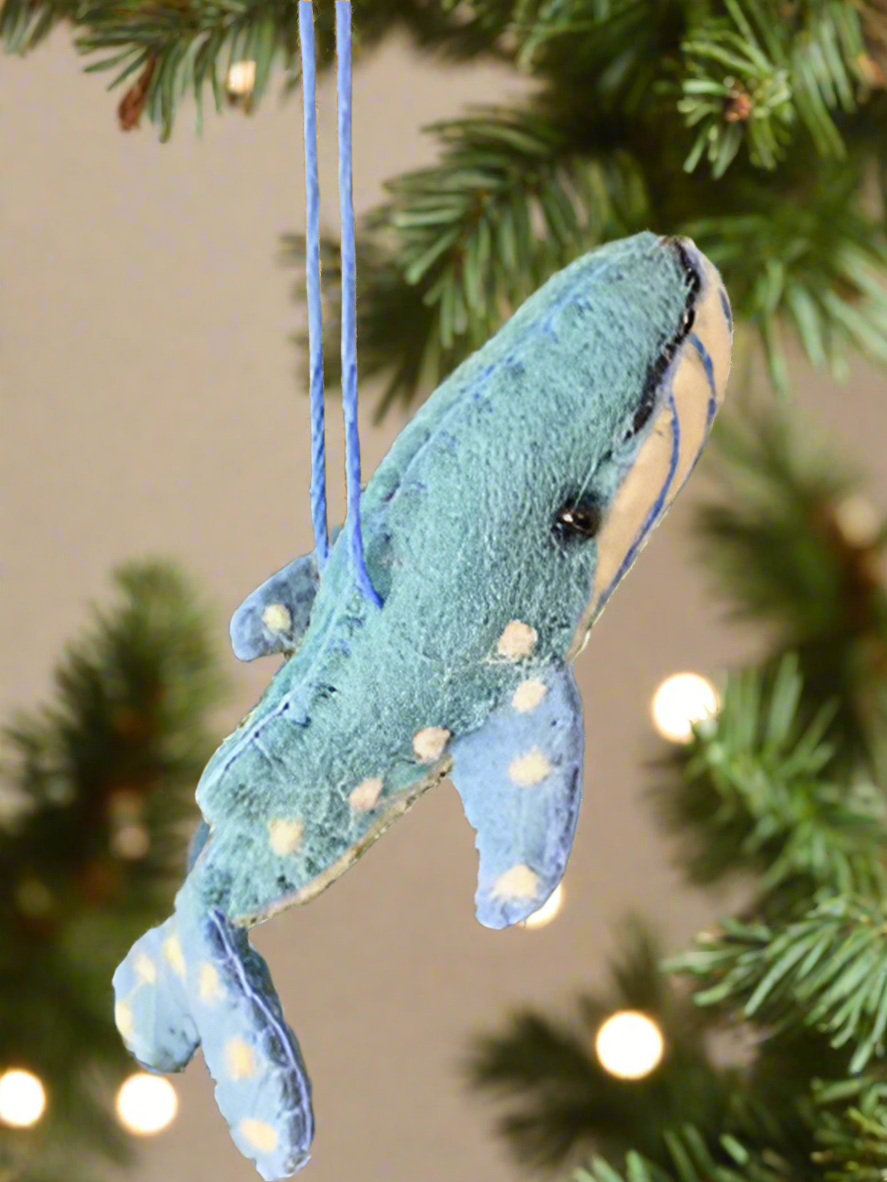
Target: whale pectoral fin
274,617
520,779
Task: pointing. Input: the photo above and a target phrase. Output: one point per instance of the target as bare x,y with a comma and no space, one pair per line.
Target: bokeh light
629,1045
241,78
858,520
679,702
22,1098
548,910
146,1103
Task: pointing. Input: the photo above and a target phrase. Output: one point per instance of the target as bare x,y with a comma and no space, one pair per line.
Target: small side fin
274,617
520,779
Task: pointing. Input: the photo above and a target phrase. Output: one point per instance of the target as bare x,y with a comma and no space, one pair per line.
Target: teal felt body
457,533
376,704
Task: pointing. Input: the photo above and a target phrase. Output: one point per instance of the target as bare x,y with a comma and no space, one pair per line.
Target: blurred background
152,405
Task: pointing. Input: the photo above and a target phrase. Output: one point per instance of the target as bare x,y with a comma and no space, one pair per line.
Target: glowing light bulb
858,520
241,78
22,1099
679,702
146,1103
548,910
132,842
629,1045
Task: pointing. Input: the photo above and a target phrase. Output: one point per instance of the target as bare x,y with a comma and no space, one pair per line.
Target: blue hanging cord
349,303
312,284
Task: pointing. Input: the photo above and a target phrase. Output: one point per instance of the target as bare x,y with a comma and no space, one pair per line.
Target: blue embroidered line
292,1064
705,358
725,306
312,284
349,298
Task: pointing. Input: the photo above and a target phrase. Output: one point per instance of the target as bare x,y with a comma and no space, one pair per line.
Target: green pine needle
510,203
93,851
752,793
693,1157
826,970
561,1098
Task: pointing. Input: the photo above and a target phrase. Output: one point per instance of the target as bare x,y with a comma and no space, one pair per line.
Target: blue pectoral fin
274,617
520,779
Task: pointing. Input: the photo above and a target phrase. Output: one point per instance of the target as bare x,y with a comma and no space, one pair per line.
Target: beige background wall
150,406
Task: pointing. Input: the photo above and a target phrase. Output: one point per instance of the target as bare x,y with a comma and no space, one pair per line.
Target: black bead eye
580,520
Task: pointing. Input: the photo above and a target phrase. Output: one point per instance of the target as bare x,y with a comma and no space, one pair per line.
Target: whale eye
580,520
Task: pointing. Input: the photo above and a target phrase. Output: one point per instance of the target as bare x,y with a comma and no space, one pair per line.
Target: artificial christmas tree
759,131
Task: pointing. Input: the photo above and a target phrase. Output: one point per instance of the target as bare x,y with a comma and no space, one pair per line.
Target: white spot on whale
517,640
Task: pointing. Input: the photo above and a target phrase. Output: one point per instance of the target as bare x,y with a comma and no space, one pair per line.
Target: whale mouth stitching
660,367
693,277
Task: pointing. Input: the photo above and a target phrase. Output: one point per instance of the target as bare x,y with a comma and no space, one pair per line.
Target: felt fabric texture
596,396
274,617
524,763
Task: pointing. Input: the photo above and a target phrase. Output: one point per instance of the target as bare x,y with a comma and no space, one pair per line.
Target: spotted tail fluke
151,1006
207,986
262,1087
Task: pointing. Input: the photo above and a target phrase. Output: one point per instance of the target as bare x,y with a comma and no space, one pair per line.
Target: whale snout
713,317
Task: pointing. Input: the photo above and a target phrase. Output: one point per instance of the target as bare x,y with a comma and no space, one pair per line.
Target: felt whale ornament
434,637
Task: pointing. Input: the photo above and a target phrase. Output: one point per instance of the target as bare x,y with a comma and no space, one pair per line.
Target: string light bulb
146,1104
131,842
240,80
548,910
858,520
680,701
22,1098
629,1045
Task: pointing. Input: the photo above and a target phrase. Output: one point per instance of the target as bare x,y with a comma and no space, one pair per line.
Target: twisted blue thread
312,283
349,301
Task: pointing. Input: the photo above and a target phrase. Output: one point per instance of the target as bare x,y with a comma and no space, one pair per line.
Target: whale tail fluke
197,981
151,1005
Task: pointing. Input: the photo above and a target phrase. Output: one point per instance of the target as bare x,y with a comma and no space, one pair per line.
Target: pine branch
781,544
564,1100
751,79
176,47
852,1140
93,851
751,794
618,49
826,970
693,1157
738,66
804,255
180,47
463,243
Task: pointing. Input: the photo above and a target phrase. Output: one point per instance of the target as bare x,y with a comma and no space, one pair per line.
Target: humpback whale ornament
435,636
